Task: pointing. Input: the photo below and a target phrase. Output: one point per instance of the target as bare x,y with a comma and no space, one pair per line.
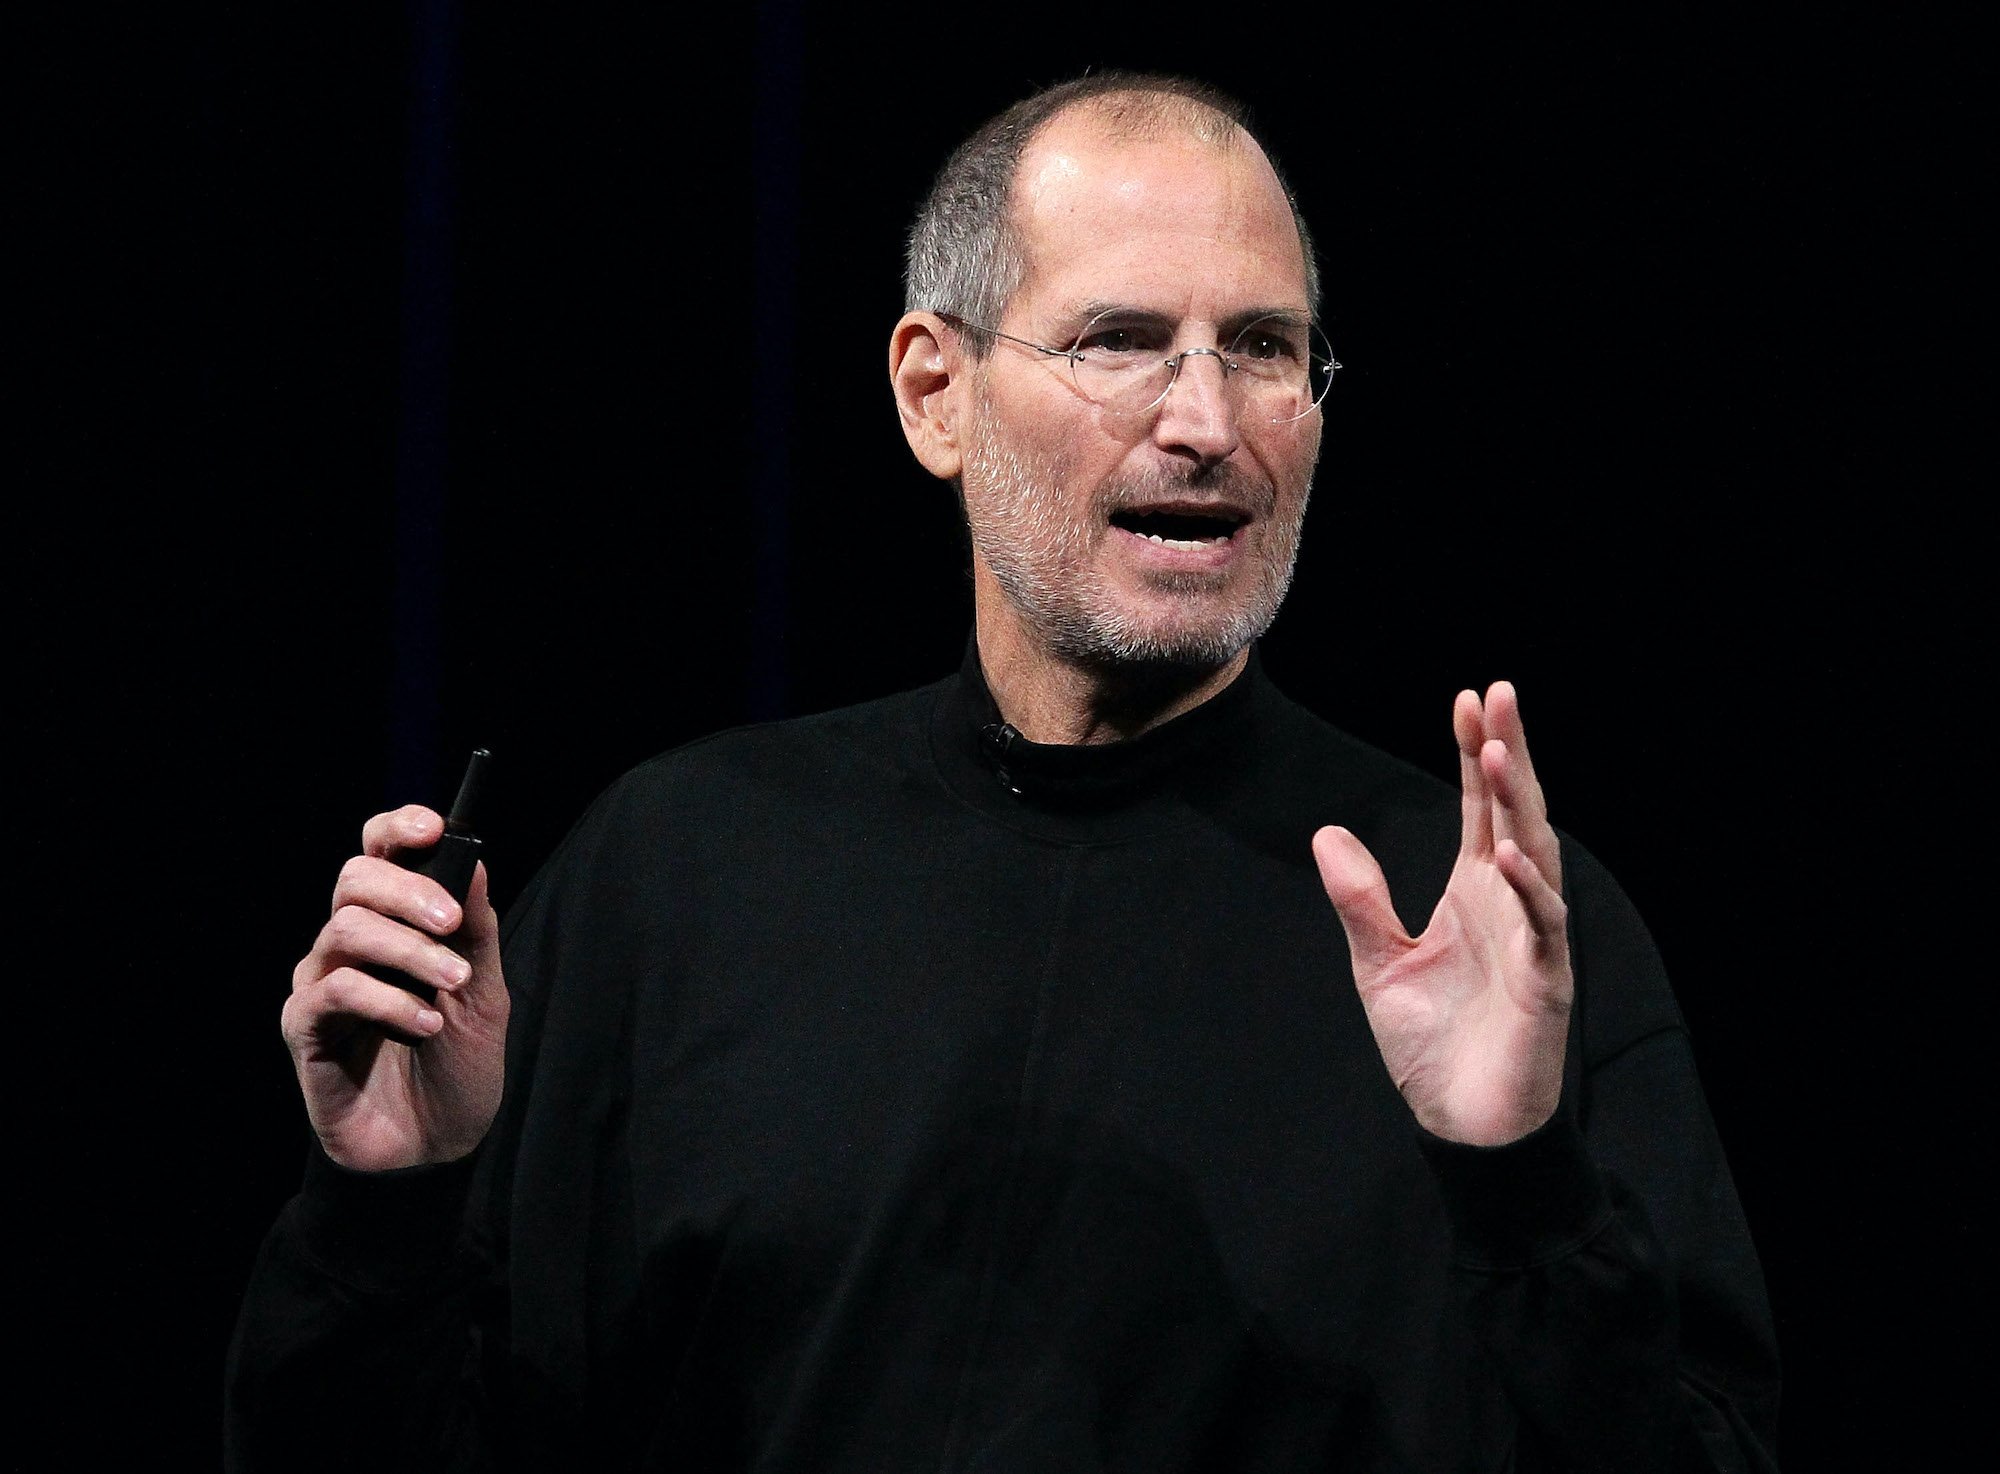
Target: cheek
1050,451
1291,464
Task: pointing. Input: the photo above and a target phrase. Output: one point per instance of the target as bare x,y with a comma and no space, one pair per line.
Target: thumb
478,935
1360,896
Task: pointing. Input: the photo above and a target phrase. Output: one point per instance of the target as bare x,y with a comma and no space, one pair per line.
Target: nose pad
1199,409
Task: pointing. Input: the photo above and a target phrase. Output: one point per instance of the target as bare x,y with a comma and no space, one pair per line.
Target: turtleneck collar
1094,791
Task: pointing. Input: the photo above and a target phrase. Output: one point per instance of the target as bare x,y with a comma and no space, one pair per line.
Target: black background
517,377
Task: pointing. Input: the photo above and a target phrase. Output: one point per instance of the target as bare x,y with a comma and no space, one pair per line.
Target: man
981,1079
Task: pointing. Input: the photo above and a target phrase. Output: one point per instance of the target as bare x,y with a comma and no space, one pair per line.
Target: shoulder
1344,780
689,810
726,778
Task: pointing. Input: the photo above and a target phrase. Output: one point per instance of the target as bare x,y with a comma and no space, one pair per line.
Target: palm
1471,1017
377,1103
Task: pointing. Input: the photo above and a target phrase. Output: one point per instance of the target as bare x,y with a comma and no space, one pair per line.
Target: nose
1198,416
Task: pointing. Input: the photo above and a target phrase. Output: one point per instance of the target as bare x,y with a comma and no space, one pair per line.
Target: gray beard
1038,556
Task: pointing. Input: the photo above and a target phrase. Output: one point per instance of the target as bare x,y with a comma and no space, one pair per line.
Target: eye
1270,342
1110,342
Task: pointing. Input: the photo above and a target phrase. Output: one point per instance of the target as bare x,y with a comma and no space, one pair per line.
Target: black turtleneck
884,1096
1061,780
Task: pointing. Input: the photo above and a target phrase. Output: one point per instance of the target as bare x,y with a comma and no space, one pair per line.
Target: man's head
965,257
1165,536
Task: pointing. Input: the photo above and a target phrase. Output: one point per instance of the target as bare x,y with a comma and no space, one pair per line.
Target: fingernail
429,1020
441,914
457,970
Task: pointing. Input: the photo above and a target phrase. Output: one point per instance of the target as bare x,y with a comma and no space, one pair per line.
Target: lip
1192,506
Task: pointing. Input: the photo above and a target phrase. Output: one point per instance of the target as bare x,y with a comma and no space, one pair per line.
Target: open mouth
1181,529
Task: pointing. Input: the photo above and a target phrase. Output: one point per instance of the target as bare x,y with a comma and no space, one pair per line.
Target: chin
1177,631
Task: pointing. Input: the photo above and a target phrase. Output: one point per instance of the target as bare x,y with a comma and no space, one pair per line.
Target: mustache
1223,483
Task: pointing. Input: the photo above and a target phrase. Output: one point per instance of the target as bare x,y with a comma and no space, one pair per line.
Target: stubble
1039,548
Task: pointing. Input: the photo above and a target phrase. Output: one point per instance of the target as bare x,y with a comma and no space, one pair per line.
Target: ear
926,363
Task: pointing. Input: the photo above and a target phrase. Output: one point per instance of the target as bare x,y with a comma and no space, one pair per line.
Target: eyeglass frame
1172,363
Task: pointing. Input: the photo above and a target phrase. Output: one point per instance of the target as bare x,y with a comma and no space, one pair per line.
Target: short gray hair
965,256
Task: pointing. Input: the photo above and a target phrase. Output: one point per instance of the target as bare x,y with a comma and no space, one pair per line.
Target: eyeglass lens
1278,367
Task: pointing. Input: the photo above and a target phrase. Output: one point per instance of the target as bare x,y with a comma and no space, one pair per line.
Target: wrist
1523,1203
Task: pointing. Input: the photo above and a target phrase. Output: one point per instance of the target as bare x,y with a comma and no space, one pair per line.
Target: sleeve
357,1343
1603,1260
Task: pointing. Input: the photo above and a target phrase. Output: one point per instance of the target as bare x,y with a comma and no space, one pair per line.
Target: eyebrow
1076,317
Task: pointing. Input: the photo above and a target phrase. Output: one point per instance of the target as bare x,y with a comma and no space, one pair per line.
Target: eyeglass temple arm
959,322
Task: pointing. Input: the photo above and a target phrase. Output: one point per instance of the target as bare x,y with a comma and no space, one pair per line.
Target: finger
356,937
1468,725
1503,714
327,1013
1519,817
479,938
1360,896
1503,721
1521,807
479,941
385,886
412,827
1548,915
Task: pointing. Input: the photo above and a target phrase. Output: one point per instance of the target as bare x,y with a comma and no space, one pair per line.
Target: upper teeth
1185,544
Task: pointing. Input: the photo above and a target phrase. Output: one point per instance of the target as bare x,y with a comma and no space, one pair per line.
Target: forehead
1167,221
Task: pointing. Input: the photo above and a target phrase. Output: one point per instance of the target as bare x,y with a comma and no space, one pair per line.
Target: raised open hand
1471,1017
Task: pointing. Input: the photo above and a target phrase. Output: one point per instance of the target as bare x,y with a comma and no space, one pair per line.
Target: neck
1049,698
